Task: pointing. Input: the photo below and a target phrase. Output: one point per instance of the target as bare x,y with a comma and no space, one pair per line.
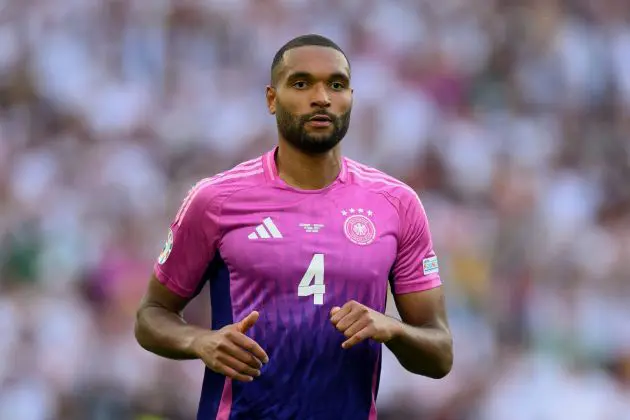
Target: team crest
358,226
168,246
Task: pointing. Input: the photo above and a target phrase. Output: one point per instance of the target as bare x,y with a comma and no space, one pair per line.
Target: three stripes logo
266,230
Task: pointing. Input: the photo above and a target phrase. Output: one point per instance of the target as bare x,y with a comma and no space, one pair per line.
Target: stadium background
511,118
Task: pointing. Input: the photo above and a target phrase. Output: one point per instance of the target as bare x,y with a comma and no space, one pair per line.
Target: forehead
318,61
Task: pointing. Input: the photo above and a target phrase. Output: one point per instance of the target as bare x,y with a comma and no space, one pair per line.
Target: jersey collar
271,170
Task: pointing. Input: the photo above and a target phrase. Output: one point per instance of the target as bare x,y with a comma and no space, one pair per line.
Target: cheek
292,103
287,115
343,103
296,112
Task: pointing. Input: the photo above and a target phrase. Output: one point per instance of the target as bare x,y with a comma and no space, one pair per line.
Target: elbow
438,366
138,330
443,367
444,363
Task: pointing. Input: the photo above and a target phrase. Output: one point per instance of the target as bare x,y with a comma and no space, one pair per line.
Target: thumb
246,323
334,310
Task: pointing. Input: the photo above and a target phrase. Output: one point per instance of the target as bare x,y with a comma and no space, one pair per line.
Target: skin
160,328
421,342
311,80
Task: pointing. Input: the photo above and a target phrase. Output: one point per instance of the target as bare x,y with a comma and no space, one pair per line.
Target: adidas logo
266,230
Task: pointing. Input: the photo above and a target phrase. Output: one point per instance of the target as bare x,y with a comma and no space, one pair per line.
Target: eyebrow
308,76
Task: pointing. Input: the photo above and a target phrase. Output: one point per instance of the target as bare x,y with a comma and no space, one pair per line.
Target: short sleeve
191,243
416,266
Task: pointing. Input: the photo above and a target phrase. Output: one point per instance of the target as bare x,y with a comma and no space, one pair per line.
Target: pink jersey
292,255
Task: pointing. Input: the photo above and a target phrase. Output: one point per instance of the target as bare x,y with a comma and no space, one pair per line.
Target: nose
320,98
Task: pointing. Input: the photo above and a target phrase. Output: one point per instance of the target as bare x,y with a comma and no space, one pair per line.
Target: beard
293,129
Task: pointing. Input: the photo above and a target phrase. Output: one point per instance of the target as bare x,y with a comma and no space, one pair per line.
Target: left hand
358,323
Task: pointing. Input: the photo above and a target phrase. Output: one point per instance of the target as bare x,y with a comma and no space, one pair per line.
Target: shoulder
246,174
372,179
209,193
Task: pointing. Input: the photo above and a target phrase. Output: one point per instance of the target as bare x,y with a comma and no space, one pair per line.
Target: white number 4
313,281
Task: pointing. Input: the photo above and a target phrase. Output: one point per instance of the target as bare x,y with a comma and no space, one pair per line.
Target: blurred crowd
510,118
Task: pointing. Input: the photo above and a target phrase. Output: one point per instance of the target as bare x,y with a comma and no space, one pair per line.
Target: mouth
321,117
320,120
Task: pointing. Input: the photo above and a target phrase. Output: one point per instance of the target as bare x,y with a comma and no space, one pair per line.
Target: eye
300,84
337,85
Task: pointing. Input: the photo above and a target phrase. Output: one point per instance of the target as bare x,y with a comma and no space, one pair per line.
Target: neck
307,172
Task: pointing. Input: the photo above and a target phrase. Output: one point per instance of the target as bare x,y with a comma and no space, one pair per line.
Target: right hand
230,352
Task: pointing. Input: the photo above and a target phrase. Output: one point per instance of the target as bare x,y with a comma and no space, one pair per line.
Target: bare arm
422,342
160,327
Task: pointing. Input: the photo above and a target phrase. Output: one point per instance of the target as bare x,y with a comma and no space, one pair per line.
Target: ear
270,94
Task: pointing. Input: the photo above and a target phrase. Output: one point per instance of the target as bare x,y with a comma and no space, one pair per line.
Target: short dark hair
301,41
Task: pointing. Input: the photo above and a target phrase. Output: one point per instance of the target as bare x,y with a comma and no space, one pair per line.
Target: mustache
305,118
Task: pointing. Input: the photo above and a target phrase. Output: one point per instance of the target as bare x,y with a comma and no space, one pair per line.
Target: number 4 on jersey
313,281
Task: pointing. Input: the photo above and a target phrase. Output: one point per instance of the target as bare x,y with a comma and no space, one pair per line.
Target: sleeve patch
168,246
430,266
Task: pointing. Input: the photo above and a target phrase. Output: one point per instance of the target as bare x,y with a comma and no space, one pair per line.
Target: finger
245,324
347,308
354,316
356,327
237,365
251,346
334,310
216,365
362,335
231,373
243,356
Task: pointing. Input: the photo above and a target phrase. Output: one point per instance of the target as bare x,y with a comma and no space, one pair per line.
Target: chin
317,147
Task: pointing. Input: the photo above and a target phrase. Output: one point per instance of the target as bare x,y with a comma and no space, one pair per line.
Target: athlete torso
292,255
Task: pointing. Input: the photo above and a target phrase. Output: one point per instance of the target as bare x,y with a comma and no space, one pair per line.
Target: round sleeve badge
166,251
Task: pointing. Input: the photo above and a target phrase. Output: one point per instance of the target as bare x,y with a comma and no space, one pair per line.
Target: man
298,247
